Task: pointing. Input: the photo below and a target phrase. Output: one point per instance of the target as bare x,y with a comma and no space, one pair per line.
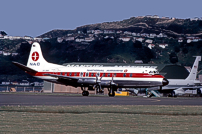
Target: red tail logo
35,56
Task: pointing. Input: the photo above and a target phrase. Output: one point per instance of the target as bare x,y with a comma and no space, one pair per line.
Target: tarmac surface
51,99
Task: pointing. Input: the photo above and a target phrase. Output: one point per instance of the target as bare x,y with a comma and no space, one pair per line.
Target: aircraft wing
62,77
184,88
23,67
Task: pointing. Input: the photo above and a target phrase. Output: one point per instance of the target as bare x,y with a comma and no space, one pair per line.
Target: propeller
112,82
98,82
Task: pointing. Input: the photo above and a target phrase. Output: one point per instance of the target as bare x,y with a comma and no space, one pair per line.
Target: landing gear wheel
173,94
85,93
112,94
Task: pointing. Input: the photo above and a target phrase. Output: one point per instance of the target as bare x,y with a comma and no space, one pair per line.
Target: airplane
91,77
178,87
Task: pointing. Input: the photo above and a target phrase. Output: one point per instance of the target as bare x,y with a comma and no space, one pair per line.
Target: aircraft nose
165,82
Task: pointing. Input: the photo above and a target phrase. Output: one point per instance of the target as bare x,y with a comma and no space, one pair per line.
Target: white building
140,39
152,35
180,39
89,39
134,34
14,54
28,38
124,38
38,39
6,53
127,33
163,45
69,38
118,32
109,31
149,41
80,39
151,46
98,31
59,39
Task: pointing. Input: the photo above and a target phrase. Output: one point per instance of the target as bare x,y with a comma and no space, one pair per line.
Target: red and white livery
90,77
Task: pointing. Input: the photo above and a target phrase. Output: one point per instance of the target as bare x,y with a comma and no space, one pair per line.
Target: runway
32,100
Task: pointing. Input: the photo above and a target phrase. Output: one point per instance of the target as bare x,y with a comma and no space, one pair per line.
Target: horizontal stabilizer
23,67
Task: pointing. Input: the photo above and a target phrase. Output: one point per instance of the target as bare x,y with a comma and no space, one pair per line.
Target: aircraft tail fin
193,73
36,60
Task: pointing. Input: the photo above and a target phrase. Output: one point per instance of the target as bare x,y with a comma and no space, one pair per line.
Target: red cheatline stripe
93,74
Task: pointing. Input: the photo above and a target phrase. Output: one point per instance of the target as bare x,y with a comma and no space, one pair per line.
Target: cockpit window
153,72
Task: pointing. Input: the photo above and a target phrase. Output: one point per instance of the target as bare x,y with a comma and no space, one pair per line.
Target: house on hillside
59,39
134,34
196,39
149,41
163,45
28,38
118,32
180,39
17,37
194,19
70,38
140,39
125,39
38,39
151,46
127,33
6,53
80,39
89,39
109,31
14,54
152,35
155,16
98,31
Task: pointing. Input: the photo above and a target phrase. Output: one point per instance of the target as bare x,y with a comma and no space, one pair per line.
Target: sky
36,17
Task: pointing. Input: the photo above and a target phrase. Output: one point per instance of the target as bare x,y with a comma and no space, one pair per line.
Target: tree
84,30
173,58
177,49
137,44
185,50
3,33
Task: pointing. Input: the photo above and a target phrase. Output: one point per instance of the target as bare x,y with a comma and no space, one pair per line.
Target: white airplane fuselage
91,75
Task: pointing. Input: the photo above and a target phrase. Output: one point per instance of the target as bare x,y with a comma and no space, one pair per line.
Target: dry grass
101,119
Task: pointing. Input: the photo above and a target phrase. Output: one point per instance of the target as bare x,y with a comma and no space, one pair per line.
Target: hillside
152,40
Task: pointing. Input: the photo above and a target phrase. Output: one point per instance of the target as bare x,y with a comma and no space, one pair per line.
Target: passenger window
131,75
75,74
70,74
61,73
108,75
103,75
115,75
86,74
124,75
98,74
66,73
91,74
81,74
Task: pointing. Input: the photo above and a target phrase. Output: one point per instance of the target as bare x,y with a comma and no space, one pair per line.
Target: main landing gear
111,92
84,93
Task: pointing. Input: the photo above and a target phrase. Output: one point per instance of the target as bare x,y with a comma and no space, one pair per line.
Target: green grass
100,119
